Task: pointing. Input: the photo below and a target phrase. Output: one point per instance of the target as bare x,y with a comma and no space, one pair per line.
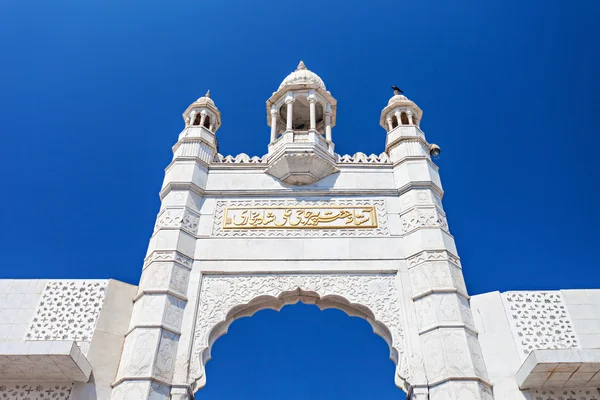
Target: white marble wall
52,314
512,324
18,302
584,308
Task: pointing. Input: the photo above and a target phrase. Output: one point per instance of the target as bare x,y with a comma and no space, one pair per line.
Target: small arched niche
404,118
394,122
197,119
207,122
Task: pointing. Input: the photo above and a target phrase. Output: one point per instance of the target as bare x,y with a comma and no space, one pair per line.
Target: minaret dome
203,113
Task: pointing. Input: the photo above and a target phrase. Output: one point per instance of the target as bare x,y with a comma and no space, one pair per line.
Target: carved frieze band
565,394
169,256
421,217
38,391
177,218
68,310
539,320
432,256
221,294
352,217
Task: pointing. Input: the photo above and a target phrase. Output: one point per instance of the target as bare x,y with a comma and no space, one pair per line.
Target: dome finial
300,66
207,94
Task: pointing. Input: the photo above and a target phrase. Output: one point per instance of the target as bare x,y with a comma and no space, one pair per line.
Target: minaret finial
207,94
300,66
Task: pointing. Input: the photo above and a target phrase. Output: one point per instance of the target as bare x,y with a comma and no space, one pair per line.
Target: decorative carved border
37,391
223,298
380,216
305,217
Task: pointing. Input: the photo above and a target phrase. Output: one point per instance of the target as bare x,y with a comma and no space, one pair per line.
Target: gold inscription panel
295,217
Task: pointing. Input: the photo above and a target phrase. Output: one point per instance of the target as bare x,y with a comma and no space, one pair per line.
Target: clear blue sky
91,96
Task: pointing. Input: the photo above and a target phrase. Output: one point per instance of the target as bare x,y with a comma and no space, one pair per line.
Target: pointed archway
300,352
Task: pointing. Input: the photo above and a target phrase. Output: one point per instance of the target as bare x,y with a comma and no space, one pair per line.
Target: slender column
192,117
398,115
203,117
328,122
409,114
210,128
289,101
389,122
273,124
312,100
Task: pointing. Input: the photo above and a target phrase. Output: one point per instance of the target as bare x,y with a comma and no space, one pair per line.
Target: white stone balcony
560,368
44,360
301,157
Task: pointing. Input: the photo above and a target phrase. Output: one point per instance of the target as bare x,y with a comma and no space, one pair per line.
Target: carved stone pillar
409,114
398,115
389,123
328,122
312,100
273,124
203,114
451,353
289,101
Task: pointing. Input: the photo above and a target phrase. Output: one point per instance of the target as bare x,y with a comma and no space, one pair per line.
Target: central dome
302,76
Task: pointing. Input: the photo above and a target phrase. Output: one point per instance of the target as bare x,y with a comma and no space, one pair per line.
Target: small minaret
160,307
197,142
401,119
301,114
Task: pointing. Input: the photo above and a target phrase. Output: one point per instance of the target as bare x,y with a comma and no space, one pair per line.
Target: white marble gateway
366,234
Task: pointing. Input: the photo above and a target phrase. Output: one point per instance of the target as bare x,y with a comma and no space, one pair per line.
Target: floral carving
174,312
221,294
565,394
380,210
163,367
68,310
12,391
362,158
540,321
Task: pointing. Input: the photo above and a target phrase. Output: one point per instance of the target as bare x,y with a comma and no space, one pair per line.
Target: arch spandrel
375,297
